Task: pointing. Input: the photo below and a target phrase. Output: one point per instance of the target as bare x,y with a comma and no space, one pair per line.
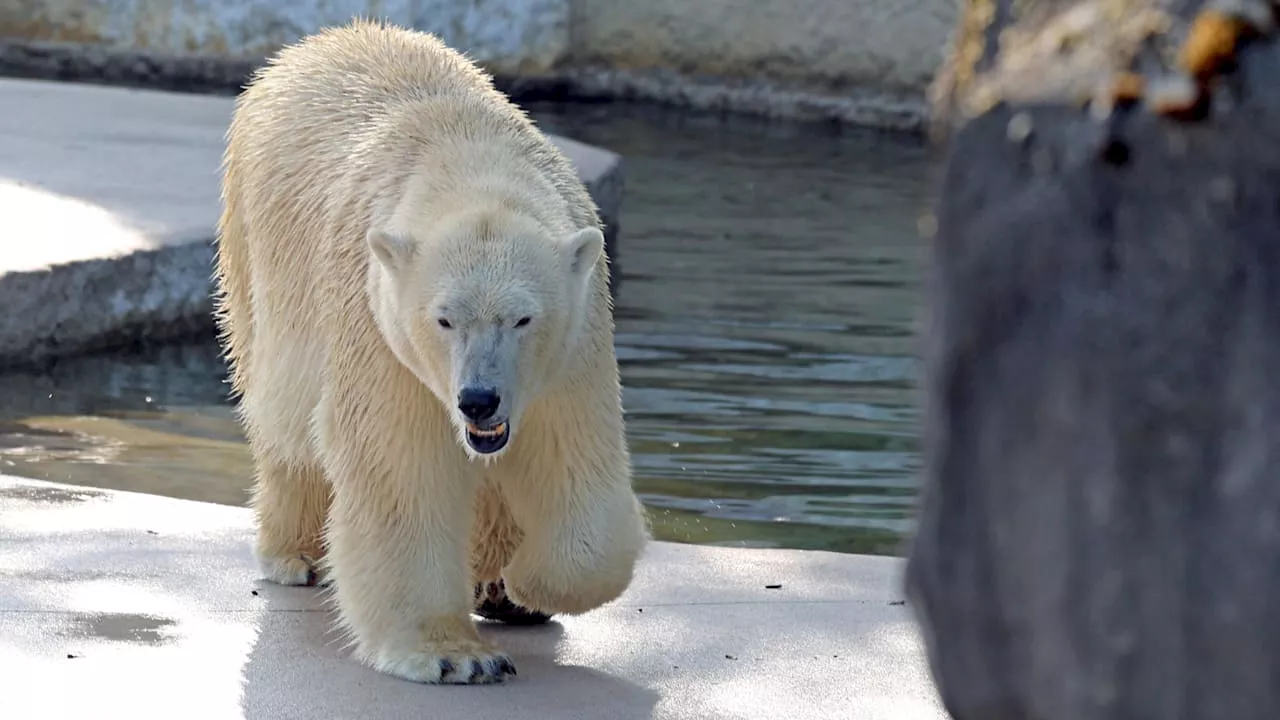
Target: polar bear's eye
444,323
523,321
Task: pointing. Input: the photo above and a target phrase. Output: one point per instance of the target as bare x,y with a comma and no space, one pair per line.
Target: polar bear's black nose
478,404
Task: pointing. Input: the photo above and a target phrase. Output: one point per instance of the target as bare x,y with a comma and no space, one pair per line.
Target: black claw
500,667
312,577
476,671
446,667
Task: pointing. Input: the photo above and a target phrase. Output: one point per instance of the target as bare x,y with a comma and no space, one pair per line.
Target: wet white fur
371,173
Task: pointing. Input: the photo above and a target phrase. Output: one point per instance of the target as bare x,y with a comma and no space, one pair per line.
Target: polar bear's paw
296,569
458,662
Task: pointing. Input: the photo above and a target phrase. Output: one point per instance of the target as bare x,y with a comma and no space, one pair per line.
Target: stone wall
512,35
828,45
862,61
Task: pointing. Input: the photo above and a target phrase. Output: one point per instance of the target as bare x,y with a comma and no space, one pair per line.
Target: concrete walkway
119,605
108,203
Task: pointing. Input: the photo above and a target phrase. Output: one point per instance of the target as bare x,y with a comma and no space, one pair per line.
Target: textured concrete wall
812,45
509,35
832,45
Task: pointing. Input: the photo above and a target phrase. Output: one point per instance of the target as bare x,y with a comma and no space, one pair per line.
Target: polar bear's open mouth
488,440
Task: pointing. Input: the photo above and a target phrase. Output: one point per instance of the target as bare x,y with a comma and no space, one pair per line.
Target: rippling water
765,328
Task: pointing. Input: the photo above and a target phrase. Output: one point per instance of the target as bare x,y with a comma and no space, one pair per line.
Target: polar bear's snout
479,404
485,366
487,431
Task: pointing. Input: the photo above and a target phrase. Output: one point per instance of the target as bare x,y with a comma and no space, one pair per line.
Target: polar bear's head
486,309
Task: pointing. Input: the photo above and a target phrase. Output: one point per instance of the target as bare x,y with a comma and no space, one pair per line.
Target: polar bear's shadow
298,668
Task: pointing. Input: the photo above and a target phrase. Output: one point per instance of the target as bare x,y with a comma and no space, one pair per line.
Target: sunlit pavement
136,606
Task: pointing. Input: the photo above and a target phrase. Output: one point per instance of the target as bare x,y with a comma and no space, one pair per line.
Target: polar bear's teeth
496,432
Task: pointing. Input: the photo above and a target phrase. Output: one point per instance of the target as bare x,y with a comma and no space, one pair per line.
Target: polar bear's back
343,86
356,68
356,105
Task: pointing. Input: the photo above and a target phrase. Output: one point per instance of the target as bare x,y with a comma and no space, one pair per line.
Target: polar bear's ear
392,250
584,247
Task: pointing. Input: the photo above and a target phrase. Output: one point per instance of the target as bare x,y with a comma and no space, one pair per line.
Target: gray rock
1099,532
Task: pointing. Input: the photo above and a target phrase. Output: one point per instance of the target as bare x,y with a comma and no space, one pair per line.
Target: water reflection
765,330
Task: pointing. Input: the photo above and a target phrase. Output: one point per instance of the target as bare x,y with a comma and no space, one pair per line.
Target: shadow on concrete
299,668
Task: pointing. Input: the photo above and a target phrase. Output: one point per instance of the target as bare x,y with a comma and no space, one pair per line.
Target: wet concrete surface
119,627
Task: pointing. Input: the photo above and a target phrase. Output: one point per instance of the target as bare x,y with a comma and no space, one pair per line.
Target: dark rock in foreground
1100,526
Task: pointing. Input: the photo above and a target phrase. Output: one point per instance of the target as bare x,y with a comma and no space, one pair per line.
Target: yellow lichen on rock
1211,43
1127,87
1048,54
959,68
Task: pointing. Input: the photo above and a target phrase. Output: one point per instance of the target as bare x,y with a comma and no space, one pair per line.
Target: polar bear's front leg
568,487
291,503
398,543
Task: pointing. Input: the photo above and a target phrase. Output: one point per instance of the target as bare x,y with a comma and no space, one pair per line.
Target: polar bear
412,296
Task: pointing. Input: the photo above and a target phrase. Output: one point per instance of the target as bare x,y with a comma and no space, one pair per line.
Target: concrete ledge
110,200
122,605
97,303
